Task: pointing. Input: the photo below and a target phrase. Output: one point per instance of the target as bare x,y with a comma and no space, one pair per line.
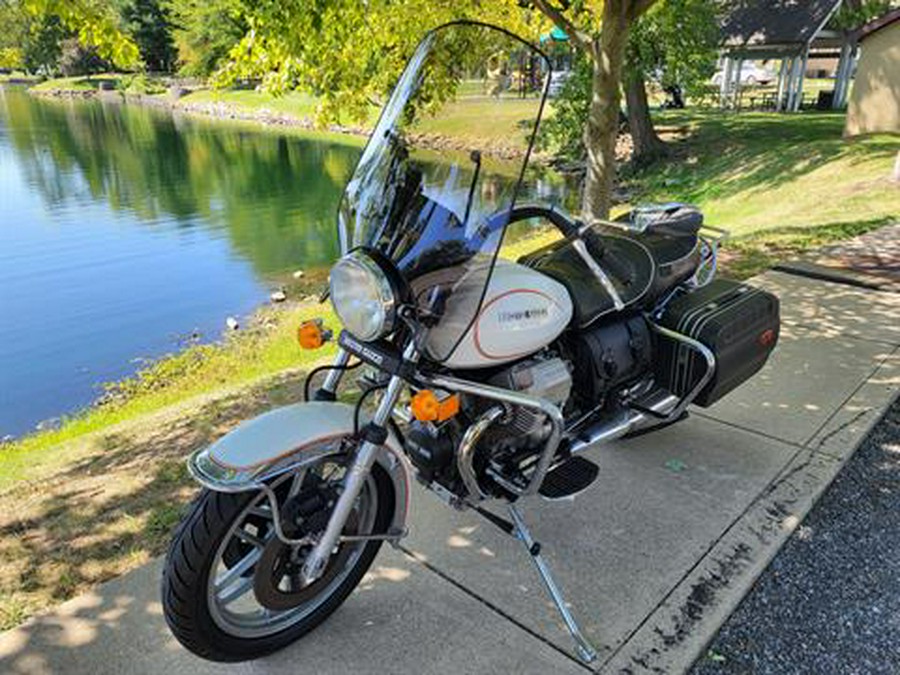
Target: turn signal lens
427,407
311,335
448,407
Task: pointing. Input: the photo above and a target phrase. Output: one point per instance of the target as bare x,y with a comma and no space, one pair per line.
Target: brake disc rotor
277,579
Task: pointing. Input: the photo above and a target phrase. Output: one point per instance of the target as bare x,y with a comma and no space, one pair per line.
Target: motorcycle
485,378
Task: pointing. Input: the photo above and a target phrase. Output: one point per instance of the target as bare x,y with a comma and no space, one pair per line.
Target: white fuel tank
523,311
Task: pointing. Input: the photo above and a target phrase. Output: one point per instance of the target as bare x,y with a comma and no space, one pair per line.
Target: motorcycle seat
641,266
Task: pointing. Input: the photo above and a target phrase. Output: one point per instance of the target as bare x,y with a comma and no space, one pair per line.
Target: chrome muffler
624,422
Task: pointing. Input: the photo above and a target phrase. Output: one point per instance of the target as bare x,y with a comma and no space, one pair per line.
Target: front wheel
232,591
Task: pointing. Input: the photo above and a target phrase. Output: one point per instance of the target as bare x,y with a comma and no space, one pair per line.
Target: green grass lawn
487,119
296,104
242,358
775,181
19,77
473,117
62,84
759,171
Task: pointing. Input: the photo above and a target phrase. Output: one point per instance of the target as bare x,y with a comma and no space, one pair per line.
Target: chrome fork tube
333,379
354,480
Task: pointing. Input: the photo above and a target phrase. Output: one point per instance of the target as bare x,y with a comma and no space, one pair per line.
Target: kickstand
519,530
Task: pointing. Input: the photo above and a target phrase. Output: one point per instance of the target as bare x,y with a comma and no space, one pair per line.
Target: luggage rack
711,239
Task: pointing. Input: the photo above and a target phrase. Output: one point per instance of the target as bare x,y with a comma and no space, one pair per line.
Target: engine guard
286,439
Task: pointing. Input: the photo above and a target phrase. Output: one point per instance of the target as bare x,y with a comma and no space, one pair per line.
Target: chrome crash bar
668,408
515,398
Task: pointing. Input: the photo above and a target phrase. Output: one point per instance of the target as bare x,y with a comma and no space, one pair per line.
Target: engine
432,447
590,365
543,377
576,375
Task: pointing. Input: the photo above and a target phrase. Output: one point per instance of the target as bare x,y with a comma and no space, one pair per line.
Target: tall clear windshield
435,185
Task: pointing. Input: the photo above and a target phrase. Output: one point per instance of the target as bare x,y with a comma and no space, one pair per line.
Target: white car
751,75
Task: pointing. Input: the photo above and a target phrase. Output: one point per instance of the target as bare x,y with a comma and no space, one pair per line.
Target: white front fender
288,438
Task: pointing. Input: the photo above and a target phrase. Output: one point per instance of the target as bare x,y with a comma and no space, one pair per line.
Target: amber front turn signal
311,335
448,407
427,407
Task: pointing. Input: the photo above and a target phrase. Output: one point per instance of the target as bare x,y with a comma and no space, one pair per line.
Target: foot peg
569,478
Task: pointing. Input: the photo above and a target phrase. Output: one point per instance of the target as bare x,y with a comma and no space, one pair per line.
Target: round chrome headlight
362,296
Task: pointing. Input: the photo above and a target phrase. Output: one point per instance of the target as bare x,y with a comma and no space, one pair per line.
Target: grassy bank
295,104
108,501
779,183
760,171
266,348
20,78
475,117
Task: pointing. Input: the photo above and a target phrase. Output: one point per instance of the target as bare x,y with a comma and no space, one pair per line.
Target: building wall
875,100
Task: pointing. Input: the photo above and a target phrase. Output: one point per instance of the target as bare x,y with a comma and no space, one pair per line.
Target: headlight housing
362,296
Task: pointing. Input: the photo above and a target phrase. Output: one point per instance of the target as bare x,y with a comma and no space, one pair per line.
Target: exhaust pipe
623,423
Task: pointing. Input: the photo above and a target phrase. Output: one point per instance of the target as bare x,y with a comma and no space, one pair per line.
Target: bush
11,58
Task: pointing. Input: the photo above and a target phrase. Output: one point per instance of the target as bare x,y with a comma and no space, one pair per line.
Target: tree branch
638,7
579,37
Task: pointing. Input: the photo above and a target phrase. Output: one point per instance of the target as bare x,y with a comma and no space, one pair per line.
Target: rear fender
286,439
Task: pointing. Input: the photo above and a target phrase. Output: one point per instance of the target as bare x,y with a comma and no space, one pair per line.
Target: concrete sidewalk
652,558
870,260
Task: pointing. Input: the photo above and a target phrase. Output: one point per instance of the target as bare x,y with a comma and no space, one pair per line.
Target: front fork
374,436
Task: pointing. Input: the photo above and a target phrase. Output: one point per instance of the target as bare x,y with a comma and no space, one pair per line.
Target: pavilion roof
774,25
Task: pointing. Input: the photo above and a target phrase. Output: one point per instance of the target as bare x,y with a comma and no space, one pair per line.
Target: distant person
497,77
674,96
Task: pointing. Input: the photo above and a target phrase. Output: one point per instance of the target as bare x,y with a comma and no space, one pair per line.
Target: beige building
875,101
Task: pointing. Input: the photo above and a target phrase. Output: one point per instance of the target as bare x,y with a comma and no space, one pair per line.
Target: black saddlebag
739,323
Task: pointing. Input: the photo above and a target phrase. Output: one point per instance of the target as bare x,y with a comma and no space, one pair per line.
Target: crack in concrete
831,434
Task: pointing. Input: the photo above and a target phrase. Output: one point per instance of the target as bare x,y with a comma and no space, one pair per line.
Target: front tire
202,545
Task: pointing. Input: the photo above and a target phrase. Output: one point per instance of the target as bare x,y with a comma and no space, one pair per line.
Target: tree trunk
647,145
603,118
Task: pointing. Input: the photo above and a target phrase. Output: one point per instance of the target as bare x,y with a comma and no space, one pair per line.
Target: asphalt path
830,600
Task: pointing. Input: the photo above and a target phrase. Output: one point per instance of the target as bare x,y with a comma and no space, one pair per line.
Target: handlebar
572,229
564,224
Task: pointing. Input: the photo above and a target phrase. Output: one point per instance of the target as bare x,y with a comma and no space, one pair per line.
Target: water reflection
124,227
276,196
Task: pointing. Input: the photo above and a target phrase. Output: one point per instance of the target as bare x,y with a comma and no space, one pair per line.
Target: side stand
586,651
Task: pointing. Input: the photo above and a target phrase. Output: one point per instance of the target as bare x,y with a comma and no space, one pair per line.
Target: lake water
124,229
